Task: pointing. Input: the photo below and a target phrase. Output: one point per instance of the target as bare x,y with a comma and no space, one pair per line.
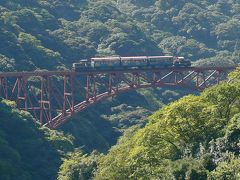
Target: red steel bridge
53,97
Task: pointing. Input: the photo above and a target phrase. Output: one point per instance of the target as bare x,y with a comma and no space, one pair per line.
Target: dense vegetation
196,137
40,34
53,34
26,150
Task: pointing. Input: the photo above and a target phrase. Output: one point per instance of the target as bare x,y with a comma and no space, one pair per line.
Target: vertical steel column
64,95
218,76
157,77
22,92
3,88
110,84
25,93
135,80
41,100
197,82
117,82
45,99
67,94
138,79
175,77
6,88
49,99
12,97
72,93
154,78
94,89
19,92
113,85
204,80
88,87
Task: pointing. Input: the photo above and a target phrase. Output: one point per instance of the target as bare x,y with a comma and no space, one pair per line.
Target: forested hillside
196,137
26,150
51,35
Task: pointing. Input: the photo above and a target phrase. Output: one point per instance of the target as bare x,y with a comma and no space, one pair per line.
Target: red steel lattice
54,97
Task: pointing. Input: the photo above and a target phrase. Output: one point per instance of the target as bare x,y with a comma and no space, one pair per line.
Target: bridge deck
68,72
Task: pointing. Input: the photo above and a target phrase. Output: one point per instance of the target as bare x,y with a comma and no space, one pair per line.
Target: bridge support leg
218,76
91,88
3,88
94,89
110,81
88,87
198,80
45,100
113,83
68,94
22,95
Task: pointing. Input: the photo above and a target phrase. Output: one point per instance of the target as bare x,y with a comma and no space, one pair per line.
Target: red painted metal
55,96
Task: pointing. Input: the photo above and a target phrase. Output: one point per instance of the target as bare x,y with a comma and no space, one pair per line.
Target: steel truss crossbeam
54,97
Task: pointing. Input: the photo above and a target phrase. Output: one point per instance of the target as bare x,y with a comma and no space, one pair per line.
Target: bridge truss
54,97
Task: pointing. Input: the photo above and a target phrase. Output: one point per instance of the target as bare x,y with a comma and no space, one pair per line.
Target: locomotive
135,62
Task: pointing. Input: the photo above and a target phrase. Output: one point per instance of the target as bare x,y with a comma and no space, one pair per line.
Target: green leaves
224,97
48,34
63,32
180,130
78,166
26,149
7,64
235,75
41,56
229,169
189,48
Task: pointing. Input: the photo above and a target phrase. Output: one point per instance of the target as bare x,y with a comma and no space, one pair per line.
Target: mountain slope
40,34
26,148
53,34
192,138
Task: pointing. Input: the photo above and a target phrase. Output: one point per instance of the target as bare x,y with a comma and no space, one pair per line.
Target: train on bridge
136,62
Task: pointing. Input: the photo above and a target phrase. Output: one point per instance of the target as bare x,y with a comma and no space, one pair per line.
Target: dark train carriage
106,62
181,62
160,61
134,62
82,65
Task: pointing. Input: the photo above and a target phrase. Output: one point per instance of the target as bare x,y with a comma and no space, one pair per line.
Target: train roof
134,58
118,58
152,57
114,58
